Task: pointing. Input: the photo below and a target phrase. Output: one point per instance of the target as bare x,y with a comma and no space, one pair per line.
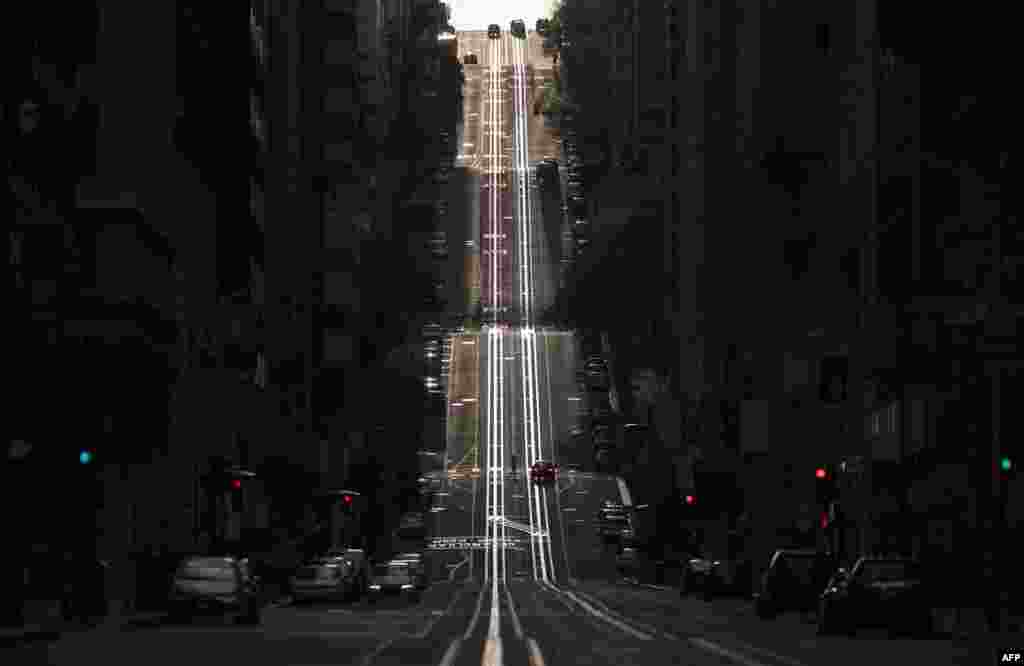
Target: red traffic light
690,499
347,499
820,473
236,484
824,520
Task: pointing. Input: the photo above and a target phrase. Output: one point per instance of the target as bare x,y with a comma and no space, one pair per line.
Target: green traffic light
85,457
1005,464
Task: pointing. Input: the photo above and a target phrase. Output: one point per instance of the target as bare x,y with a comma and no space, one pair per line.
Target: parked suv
793,582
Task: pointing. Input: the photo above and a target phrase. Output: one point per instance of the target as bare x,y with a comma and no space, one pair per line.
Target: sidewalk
55,630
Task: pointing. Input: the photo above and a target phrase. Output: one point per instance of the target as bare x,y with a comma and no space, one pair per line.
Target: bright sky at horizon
478,14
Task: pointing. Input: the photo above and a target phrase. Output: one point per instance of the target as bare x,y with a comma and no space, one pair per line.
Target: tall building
807,279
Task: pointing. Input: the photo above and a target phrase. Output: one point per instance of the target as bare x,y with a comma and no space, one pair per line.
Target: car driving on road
326,577
544,471
391,578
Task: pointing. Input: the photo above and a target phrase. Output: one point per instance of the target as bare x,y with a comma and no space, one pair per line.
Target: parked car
602,411
494,31
518,28
360,566
793,581
327,577
716,576
219,585
877,592
596,379
611,521
470,59
627,562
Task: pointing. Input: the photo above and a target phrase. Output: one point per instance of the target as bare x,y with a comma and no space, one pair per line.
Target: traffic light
236,490
825,485
1005,464
690,500
85,456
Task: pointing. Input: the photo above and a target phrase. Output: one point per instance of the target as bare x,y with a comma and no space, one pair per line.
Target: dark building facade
842,266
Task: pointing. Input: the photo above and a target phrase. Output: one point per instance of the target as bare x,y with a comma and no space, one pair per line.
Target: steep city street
506,443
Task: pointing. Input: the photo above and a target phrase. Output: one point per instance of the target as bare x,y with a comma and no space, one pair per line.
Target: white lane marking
449,655
476,614
608,618
724,652
437,615
535,658
451,574
492,653
768,653
515,616
610,611
383,645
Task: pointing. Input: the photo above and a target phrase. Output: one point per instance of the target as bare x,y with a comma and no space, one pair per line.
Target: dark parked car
518,28
793,582
494,31
612,522
877,592
470,59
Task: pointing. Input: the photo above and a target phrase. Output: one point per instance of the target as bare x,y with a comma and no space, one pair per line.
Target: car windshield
801,566
887,572
207,569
